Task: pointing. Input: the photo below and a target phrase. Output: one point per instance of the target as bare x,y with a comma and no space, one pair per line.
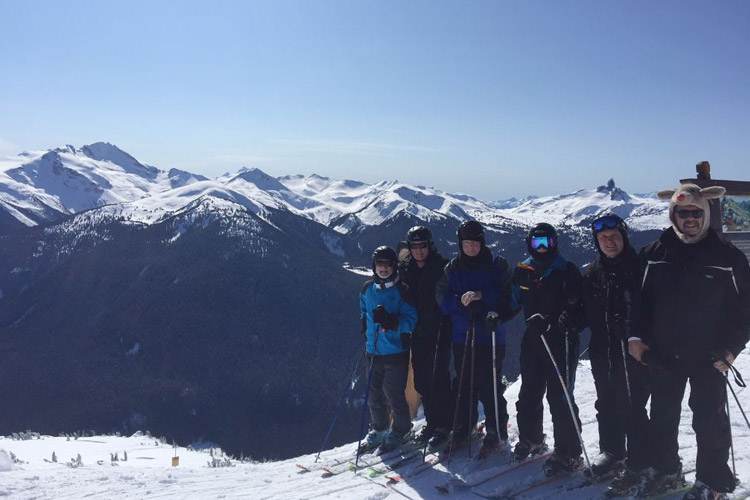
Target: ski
364,463
384,468
511,493
462,483
666,494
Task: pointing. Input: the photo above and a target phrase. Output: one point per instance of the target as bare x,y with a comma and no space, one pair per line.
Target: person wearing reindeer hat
695,293
468,289
431,339
610,291
388,318
549,289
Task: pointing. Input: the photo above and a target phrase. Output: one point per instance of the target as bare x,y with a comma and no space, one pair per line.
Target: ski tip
302,468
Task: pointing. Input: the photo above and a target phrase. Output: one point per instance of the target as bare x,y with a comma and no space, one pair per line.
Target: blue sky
492,98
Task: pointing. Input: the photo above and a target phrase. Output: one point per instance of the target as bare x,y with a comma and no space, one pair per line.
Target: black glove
491,321
537,325
476,311
563,321
379,314
385,319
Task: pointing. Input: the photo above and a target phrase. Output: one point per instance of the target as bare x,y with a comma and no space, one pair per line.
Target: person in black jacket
695,292
431,338
610,287
549,289
470,286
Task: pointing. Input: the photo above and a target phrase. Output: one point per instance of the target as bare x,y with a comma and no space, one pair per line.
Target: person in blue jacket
550,291
467,291
388,317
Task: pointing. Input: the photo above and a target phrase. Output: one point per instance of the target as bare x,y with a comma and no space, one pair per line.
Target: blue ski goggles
606,222
542,241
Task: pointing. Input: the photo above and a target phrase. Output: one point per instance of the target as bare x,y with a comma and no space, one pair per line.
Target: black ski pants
621,414
537,376
710,421
436,392
483,390
387,393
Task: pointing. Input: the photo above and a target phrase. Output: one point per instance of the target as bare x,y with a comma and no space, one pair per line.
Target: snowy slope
148,471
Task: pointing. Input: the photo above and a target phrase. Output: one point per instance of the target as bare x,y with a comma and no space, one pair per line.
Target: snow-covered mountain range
45,186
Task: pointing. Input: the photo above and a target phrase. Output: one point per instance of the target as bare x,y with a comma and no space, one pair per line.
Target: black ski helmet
609,221
470,230
419,234
542,230
384,253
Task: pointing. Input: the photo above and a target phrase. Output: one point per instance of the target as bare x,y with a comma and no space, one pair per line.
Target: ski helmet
609,221
384,253
420,234
542,235
470,230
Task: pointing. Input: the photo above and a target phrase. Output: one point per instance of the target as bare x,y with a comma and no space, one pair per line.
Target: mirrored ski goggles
684,214
606,222
384,263
542,241
421,245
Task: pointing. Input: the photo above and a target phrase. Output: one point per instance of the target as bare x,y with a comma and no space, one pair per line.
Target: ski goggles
418,245
542,241
384,263
684,213
606,222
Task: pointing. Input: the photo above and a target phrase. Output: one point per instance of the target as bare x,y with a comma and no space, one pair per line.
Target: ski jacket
422,282
547,291
696,297
487,276
611,289
396,297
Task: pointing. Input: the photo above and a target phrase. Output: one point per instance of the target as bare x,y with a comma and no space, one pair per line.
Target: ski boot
425,435
392,441
652,482
624,480
490,445
607,463
373,440
558,464
702,491
525,448
438,440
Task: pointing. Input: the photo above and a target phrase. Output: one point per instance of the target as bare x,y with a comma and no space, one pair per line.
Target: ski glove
563,321
491,321
384,318
537,325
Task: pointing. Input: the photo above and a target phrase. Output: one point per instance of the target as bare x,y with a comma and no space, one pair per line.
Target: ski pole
627,374
431,404
494,371
367,395
570,404
731,439
580,356
349,387
458,392
567,357
739,381
471,377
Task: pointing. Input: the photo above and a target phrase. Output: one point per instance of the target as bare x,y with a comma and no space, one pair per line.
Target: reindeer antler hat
691,195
